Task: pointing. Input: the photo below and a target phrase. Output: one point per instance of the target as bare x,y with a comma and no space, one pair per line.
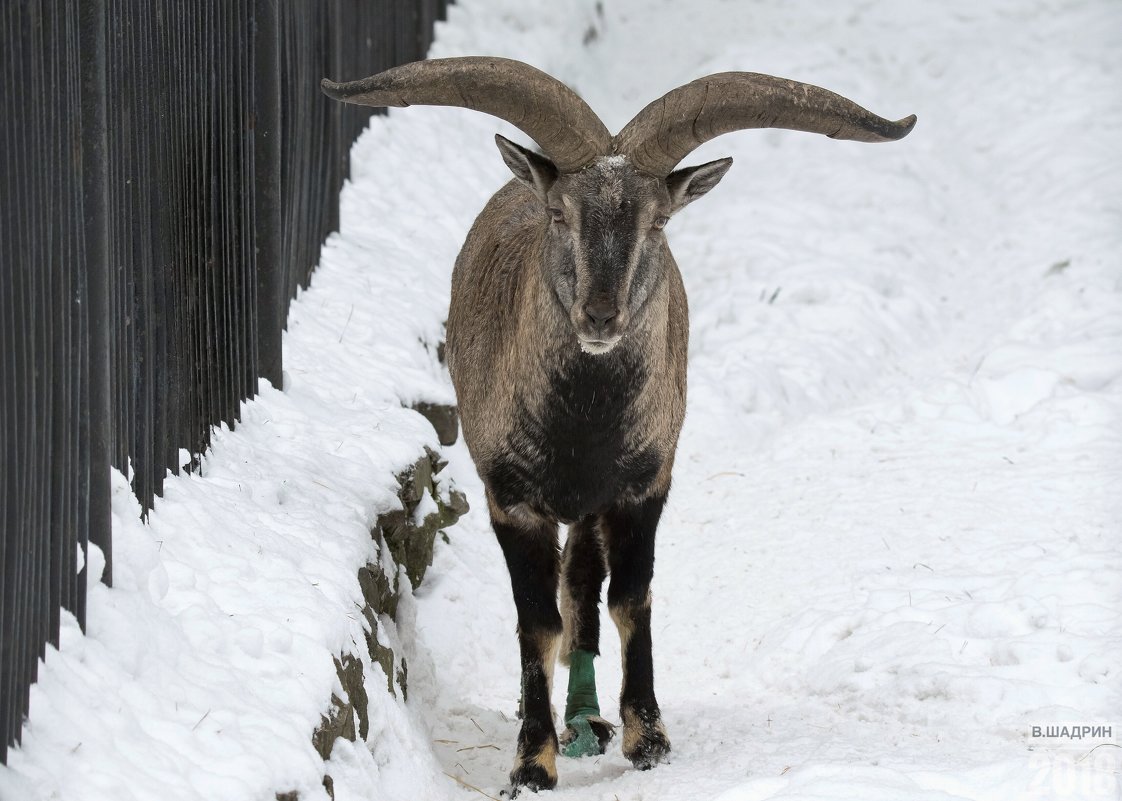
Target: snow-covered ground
893,544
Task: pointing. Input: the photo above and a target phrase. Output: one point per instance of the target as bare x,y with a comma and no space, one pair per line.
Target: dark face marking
603,250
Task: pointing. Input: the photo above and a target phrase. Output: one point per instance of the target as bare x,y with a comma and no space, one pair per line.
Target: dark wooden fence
170,170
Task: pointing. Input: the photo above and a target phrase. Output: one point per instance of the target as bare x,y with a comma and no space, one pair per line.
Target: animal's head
604,237
605,200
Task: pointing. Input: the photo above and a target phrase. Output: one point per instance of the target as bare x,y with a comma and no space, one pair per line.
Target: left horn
670,128
542,107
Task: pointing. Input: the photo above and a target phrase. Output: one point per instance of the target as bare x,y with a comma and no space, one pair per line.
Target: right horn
542,107
667,130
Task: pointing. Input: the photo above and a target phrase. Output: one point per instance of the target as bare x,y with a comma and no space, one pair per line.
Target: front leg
530,546
630,532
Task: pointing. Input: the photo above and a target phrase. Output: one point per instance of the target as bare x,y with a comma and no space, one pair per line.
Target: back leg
583,569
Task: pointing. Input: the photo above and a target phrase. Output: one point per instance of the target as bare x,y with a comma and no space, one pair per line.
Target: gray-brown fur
567,344
507,334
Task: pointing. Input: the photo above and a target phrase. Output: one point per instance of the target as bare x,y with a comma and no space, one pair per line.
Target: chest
579,447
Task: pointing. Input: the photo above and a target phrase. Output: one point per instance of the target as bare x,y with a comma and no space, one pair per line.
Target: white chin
595,346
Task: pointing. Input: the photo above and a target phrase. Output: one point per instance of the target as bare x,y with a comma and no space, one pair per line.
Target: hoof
645,741
651,749
586,736
530,776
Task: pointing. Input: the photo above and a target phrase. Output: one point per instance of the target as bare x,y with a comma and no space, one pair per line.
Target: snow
892,547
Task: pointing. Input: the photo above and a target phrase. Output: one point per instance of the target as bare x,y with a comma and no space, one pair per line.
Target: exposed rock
380,593
445,419
383,656
403,679
411,531
340,719
405,539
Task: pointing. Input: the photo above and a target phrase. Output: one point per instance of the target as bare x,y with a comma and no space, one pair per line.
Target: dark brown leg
630,533
532,557
583,570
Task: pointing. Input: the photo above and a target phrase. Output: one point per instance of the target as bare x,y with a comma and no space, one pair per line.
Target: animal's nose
599,312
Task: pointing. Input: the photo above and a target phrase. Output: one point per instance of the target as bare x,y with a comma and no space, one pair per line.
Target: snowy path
893,543
893,540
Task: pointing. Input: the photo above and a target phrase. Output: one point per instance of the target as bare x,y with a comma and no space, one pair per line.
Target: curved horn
543,108
667,130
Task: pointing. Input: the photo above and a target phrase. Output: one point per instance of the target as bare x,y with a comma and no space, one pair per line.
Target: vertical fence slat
9,414
272,300
8,421
99,280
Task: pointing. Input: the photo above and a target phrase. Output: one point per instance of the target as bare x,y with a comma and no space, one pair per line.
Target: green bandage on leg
582,686
580,705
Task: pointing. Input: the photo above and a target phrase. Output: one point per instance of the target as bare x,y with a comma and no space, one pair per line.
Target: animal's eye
660,222
558,215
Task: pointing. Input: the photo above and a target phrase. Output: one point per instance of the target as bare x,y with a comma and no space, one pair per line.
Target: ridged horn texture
667,130
542,107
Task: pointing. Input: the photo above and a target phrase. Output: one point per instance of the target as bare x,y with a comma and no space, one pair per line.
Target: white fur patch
596,348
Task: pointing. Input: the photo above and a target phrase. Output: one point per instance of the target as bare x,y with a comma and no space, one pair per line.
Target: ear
688,184
537,172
